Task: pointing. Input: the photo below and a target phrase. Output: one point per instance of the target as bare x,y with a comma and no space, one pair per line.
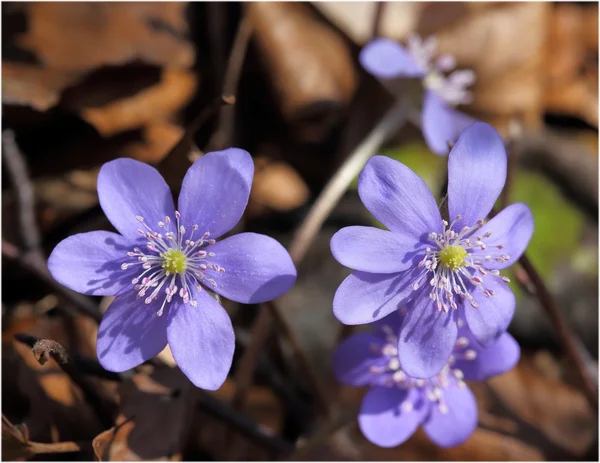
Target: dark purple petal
392,323
129,188
476,173
90,263
385,421
354,357
215,191
441,123
373,250
512,228
257,268
427,337
130,333
398,198
201,339
499,358
367,297
458,423
488,321
387,59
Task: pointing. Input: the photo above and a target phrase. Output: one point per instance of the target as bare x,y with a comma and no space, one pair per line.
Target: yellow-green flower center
174,261
453,257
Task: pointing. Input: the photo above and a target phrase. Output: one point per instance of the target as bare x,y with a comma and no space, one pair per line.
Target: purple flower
164,260
397,403
447,270
440,122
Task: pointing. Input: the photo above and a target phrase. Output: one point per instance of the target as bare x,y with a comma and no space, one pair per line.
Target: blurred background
84,83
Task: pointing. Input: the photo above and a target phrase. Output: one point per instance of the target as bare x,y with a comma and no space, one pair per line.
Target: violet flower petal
488,321
366,297
455,426
441,123
257,268
355,356
130,333
398,198
476,174
387,59
201,339
215,191
383,419
129,188
426,339
90,263
373,250
512,228
499,358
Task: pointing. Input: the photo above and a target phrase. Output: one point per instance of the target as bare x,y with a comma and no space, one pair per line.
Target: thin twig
377,19
564,332
243,424
515,130
44,349
19,177
33,263
334,190
222,136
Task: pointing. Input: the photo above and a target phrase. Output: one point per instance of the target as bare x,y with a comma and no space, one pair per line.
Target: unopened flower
397,403
444,86
164,260
447,269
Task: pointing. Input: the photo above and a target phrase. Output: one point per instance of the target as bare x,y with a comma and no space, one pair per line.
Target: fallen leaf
88,35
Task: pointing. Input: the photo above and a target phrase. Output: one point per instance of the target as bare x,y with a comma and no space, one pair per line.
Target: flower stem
335,189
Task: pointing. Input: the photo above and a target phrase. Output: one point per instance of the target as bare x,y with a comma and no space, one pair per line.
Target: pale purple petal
129,188
398,198
441,123
90,263
354,357
367,297
215,191
499,358
512,228
385,421
488,321
130,333
387,59
373,250
476,173
426,339
201,339
257,268
458,423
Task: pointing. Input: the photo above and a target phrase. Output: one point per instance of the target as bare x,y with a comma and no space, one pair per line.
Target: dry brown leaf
88,35
277,185
149,105
155,412
309,63
40,88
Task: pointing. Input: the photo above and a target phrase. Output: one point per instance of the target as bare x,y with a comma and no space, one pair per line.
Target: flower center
457,263
433,388
174,261
453,257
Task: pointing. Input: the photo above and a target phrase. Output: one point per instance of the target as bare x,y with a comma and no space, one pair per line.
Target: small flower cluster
431,288
445,279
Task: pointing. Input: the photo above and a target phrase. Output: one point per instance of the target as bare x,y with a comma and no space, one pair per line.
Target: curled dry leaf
149,105
88,35
277,186
309,63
